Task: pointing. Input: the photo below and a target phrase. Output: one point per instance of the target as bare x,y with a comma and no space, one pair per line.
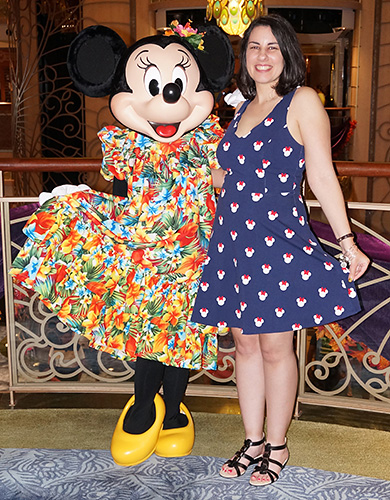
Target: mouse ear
92,60
217,58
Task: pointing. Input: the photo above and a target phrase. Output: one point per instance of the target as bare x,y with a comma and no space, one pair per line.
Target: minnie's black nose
171,93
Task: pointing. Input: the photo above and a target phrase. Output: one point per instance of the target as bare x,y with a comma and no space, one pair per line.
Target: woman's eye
152,80
180,78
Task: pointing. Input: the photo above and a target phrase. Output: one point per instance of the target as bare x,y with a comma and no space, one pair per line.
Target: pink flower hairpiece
190,34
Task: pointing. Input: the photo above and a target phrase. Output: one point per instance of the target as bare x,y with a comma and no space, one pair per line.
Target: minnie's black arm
119,188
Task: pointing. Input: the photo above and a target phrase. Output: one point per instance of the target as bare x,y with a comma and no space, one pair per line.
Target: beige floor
352,450
339,416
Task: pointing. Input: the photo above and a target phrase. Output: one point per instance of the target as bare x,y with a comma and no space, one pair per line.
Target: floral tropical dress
124,272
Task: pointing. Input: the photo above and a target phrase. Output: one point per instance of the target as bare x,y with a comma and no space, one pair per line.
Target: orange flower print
210,203
192,263
160,322
97,288
91,322
160,341
93,241
121,319
130,346
172,317
112,283
43,222
169,240
187,234
168,148
61,272
96,305
65,310
137,256
19,276
115,342
70,242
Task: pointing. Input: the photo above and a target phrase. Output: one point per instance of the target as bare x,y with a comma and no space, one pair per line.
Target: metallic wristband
345,236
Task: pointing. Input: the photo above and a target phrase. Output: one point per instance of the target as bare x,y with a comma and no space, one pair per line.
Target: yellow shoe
177,442
132,449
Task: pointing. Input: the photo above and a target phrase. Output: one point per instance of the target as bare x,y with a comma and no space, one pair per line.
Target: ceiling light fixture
234,16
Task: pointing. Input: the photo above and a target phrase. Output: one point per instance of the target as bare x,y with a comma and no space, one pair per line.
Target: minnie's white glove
234,98
61,190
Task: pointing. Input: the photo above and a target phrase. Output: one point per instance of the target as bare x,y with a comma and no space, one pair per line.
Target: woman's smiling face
264,59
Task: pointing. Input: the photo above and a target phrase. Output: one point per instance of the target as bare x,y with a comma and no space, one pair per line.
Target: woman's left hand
358,265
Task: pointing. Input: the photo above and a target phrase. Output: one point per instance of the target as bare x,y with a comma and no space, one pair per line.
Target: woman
266,273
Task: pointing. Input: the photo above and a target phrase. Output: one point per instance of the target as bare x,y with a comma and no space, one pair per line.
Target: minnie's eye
180,78
152,80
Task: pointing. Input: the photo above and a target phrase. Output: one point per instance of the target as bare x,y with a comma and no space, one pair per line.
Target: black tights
149,375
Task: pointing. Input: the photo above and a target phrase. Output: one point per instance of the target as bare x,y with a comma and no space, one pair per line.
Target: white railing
44,357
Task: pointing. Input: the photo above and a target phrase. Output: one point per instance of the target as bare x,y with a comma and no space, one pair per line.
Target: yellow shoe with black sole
132,449
177,442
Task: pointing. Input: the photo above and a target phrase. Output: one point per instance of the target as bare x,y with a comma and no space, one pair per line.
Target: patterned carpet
39,474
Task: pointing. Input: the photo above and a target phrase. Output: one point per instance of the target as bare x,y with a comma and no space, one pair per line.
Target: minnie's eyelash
185,62
144,64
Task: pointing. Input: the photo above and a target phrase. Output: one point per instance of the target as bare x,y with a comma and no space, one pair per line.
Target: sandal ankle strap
277,447
250,443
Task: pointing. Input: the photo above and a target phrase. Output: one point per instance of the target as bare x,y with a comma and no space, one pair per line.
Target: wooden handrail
50,164
362,168
348,168
335,108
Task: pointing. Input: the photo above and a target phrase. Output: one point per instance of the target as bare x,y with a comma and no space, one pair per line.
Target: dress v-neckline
258,124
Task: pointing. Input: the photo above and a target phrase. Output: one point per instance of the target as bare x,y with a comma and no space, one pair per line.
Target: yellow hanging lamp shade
234,16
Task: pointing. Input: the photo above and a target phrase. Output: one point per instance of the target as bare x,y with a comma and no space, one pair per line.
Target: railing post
301,355
8,289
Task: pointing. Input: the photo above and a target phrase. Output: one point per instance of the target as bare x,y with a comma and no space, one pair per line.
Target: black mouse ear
92,60
217,58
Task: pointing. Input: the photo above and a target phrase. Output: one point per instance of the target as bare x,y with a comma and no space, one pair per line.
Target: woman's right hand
218,176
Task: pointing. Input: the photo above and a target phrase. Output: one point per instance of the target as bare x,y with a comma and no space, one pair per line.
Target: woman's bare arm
310,126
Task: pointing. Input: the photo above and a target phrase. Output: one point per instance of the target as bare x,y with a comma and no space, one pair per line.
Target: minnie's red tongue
166,130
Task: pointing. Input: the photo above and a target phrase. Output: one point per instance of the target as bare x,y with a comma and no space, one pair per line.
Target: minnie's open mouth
165,129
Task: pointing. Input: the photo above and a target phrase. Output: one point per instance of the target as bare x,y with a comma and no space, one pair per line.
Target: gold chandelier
234,16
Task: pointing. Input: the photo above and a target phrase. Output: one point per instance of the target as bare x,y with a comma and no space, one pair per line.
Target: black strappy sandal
263,468
235,463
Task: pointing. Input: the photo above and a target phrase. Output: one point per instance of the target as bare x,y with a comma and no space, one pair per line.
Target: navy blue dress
266,271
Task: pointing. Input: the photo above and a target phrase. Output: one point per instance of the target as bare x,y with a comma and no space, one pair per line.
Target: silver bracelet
350,254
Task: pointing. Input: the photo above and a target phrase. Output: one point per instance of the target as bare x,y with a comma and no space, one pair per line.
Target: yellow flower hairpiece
190,34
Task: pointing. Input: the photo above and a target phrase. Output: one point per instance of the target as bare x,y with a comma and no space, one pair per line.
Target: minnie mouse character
123,269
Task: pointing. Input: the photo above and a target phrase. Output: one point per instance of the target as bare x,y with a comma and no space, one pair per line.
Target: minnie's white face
163,104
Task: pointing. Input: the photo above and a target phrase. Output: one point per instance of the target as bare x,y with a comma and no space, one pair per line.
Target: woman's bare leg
281,377
251,390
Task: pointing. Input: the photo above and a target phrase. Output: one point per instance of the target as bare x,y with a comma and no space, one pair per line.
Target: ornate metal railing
43,356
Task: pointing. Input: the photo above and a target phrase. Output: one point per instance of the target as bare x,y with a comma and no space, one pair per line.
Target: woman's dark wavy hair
294,70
